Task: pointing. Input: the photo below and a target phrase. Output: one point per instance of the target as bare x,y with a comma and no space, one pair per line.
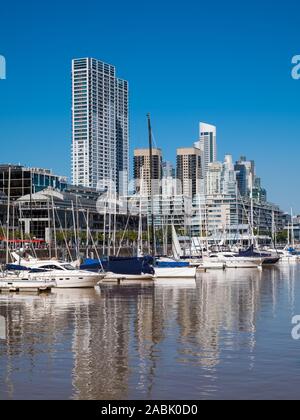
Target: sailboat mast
152,246
8,214
292,230
54,228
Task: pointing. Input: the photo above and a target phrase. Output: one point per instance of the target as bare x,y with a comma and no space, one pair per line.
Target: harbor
206,338
149,204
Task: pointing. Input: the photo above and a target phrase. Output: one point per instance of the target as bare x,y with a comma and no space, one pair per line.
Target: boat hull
213,265
65,280
15,285
243,263
122,278
173,273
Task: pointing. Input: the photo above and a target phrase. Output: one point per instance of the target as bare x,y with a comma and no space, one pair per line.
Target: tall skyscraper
189,171
245,170
142,171
208,145
100,144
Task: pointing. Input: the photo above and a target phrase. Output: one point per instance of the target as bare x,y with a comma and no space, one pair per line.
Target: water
227,335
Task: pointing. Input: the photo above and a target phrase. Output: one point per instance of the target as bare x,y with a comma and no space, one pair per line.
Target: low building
25,180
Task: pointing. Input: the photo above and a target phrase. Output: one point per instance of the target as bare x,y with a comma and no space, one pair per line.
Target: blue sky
225,63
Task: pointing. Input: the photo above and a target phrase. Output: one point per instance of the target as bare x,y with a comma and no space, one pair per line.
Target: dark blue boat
269,259
121,265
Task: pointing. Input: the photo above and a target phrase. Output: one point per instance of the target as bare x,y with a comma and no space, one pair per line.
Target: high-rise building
228,182
142,171
100,144
208,145
168,170
189,171
168,179
221,177
245,173
214,178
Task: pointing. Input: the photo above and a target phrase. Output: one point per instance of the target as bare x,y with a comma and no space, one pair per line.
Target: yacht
213,262
287,257
13,283
64,274
233,260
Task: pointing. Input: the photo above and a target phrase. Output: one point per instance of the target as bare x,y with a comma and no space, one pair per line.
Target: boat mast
74,229
252,212
54,228
140,235
8,214
152,246
292,231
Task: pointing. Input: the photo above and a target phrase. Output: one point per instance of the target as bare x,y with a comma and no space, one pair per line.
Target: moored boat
126,278
175,272
14,284
63,274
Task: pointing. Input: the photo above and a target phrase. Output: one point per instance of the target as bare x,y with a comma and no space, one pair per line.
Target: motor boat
233,260
287,257
12,283
212,262
64,274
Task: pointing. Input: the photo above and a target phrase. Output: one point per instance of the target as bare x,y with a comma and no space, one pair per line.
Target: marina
149,204
219,336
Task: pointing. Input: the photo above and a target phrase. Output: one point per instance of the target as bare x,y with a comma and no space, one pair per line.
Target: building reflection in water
115,343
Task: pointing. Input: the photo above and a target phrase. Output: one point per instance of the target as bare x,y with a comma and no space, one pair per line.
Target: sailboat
174,267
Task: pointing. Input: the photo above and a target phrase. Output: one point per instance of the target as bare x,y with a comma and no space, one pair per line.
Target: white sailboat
174,268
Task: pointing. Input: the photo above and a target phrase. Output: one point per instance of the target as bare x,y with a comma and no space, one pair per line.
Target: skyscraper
208,145
142,171
245,170
188,171
214,178
229,182
100,143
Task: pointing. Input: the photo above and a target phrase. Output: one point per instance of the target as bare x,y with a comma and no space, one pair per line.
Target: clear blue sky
225,63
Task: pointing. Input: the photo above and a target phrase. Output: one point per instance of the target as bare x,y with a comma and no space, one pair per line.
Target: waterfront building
142,171
207,144
25,180
223,214
68,211
100,141
188,171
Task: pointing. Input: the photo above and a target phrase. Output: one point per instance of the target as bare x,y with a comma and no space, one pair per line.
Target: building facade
100,124
207,143
25,180
189,171
142,171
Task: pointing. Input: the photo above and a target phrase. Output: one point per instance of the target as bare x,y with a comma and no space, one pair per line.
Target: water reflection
173,340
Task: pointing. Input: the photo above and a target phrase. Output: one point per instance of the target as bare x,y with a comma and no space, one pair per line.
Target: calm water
227,335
